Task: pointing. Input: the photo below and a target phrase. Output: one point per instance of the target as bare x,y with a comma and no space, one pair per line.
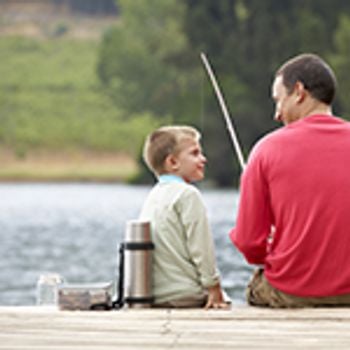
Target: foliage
145,62
341,62
147,71
246,41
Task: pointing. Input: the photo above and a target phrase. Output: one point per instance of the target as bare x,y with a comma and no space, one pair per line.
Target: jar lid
51,278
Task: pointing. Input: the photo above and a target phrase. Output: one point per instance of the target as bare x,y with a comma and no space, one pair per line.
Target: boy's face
189,163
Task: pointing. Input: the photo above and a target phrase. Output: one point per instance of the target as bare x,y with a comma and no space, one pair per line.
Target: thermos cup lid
138,231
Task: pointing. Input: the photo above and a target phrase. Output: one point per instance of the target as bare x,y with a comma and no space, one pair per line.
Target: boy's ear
171,163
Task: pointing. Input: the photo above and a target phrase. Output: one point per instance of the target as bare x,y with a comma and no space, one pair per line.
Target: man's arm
254,220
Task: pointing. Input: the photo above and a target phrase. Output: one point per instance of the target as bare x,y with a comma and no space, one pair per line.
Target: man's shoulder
272,138
301,128
269,145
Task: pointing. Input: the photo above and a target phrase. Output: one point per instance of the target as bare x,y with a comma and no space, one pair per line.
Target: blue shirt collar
166,178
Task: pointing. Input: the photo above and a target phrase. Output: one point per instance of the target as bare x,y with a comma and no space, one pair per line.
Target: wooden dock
241,327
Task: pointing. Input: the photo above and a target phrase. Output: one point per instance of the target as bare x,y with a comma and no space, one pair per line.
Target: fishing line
202,101
228,121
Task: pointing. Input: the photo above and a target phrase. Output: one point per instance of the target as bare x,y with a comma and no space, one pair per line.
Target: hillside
57,122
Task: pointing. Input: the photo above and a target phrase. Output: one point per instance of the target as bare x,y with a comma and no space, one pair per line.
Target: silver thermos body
138,250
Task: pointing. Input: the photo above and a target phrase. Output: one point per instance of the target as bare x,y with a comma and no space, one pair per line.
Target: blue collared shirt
170,178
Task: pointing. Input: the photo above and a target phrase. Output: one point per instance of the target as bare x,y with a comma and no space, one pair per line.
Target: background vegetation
50,98
153,55
62,93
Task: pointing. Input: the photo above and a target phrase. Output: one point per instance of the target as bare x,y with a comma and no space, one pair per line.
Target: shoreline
72,166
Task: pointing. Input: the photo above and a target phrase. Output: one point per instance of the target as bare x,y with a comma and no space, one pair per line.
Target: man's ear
300,91
171,163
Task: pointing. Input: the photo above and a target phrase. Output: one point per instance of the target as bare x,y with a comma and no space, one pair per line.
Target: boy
184,271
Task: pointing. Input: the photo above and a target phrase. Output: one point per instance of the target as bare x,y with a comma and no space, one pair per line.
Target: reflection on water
74,229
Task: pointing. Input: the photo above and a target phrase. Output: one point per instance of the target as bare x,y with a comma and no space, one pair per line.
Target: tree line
150,62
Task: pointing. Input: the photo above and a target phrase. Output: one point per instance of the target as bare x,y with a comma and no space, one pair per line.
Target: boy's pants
261,293
193,301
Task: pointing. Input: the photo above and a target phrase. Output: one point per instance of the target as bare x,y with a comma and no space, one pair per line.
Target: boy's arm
199,237
201,248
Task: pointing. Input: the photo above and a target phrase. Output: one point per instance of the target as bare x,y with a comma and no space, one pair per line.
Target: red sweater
297,184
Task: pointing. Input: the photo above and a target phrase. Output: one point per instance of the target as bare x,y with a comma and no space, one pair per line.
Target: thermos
138,250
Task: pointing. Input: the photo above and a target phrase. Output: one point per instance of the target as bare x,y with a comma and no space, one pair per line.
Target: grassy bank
51,103
64,166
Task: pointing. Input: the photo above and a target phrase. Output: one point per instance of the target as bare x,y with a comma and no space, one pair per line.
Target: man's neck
315,107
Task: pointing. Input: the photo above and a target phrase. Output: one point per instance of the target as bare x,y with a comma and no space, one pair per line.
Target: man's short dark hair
313,72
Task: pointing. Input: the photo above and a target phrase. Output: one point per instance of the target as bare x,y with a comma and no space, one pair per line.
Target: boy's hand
216,299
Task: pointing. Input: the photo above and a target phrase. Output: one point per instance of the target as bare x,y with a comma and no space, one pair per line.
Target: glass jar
47,289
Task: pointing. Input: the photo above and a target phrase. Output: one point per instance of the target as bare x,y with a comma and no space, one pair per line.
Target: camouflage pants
261,293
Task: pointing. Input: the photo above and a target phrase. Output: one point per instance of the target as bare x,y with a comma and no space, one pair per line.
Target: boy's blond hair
163,142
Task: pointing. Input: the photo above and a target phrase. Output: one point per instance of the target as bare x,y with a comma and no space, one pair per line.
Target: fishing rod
228,121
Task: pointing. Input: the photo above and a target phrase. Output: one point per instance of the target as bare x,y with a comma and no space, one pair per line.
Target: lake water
75,229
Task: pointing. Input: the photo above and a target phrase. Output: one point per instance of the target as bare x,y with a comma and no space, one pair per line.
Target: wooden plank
241,327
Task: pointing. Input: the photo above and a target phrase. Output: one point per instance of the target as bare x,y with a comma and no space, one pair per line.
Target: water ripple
74,229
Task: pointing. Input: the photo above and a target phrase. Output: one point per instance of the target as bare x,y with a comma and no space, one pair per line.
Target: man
294,211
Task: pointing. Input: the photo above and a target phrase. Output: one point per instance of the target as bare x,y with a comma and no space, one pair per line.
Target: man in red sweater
294,210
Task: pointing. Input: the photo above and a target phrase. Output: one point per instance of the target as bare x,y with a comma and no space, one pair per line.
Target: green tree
145,62
246,41
150,62
340,60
